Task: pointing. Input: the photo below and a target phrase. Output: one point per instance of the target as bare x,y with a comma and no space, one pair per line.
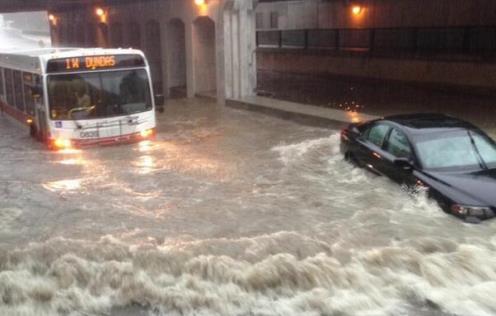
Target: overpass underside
192,49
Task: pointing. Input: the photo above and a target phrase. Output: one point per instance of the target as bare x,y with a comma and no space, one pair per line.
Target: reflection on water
228,213
145,146
63,185
146,164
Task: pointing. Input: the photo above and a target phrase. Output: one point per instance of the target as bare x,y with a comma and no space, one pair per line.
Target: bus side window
9,86
29,93
2,88
18,94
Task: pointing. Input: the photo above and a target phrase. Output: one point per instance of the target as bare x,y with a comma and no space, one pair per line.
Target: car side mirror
404,164
159,103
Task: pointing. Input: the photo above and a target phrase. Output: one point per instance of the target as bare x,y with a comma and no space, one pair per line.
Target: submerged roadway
227,213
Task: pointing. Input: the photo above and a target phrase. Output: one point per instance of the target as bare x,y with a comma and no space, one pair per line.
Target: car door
398,146
370,150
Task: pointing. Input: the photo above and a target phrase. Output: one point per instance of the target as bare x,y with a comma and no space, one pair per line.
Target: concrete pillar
164,61
225,53
238,76
190,72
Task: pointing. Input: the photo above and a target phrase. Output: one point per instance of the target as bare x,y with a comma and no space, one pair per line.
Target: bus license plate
89,134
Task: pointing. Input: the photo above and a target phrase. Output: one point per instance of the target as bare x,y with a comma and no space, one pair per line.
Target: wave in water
279,274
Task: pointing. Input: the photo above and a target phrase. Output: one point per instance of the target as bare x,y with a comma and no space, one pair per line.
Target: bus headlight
147,133
477,211
62,143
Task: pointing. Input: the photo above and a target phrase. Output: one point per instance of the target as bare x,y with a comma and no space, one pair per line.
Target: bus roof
32,60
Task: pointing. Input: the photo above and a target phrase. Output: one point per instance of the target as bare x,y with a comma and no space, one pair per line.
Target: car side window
398,145
377,133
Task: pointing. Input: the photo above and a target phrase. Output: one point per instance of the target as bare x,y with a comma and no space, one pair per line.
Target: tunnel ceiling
9,6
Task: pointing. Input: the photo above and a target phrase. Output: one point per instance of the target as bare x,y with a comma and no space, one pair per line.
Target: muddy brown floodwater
227,213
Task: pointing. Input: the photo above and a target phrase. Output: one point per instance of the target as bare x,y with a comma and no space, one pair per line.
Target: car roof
429,122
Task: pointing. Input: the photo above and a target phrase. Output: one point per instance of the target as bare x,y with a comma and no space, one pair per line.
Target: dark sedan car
453,159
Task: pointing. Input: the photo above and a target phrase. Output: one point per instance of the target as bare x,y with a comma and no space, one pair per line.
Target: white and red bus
74,97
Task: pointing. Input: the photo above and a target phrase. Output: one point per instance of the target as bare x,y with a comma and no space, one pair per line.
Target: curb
300,113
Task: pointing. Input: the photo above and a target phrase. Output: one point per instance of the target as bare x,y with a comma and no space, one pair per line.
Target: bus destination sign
90,63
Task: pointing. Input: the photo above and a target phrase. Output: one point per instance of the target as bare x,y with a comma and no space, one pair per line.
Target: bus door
41,120
40,112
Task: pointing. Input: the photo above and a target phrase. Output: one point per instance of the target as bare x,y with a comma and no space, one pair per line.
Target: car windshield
83,96
457,150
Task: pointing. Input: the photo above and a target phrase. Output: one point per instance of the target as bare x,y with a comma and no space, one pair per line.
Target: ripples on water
282,228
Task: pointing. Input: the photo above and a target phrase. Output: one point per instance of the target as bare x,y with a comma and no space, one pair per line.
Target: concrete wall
193,56
462,74
379,13
290,15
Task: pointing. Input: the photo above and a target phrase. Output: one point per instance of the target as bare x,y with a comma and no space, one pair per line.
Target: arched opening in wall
116,35
80,34
55,35
60,35
205,70
65,35
102,35
153,51
134,35
176,58
69,37
91,35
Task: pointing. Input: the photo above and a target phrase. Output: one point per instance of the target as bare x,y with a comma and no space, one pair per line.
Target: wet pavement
227,213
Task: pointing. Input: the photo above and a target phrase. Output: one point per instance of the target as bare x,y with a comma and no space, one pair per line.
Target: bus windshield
84,96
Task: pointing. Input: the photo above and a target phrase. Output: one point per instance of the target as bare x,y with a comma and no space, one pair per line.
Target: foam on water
260,275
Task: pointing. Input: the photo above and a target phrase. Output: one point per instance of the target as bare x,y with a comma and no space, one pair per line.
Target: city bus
73,97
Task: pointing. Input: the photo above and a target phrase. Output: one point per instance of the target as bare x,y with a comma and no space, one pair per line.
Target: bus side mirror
159,103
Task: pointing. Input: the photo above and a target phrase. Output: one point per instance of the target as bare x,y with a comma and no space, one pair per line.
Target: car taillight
458,209
344,134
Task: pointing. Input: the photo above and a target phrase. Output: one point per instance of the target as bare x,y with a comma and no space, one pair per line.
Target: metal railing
475,43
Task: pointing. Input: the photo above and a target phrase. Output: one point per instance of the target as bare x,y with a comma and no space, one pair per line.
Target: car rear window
377,133
398,144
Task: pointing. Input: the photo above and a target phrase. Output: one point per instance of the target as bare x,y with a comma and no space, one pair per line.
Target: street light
356,9
53,19
202,7
101,14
